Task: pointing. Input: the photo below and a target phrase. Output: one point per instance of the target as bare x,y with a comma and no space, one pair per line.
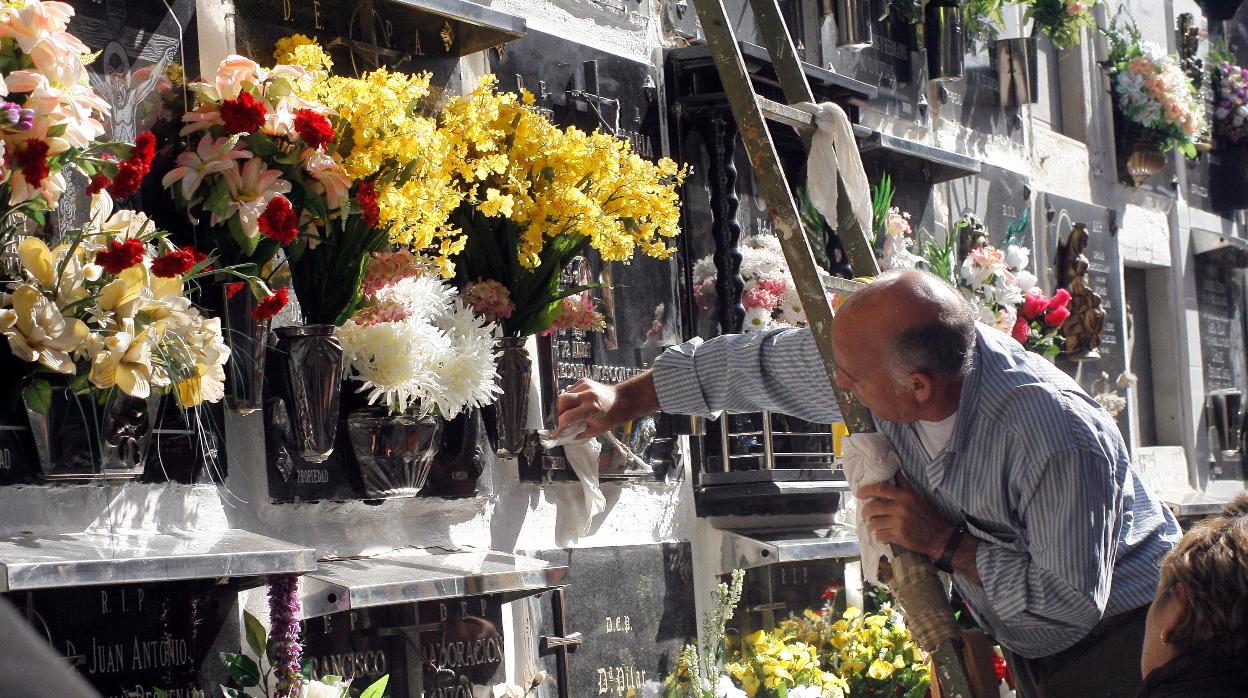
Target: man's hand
899,515
602,407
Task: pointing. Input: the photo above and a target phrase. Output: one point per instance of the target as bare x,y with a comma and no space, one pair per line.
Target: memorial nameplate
1105,277
366,644
634,607
975,100
434,34
889,64
132,640
1220,303
594,90
999,198
462,646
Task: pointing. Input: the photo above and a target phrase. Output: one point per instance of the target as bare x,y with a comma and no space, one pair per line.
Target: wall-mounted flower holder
946,40
1017,73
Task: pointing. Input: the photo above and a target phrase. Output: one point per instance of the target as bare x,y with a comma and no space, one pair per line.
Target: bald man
1015,480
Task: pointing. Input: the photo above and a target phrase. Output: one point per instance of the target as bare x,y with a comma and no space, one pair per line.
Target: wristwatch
945,562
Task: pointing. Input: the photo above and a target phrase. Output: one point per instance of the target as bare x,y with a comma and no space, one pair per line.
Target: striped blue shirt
1035,468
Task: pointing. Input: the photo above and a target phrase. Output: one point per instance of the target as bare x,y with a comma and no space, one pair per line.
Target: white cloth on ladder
834,149
868,459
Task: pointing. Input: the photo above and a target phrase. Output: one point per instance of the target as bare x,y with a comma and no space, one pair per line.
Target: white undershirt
934,435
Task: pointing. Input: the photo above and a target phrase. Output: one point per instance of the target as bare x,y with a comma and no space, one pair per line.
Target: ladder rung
793,116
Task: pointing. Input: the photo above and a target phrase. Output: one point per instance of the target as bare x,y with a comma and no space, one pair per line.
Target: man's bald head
915,320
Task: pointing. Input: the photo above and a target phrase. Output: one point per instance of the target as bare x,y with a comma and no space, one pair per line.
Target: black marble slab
1106,277
634,606
130,640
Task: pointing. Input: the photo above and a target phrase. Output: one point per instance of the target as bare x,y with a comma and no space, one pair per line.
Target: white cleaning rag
834,149
868,459
582,455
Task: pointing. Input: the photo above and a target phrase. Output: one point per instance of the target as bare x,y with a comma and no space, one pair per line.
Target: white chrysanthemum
704,269
756,320
439,358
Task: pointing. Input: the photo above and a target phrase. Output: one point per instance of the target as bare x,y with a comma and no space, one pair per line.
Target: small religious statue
1087,315
972,236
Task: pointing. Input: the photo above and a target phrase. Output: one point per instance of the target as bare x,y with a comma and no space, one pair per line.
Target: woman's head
1202,600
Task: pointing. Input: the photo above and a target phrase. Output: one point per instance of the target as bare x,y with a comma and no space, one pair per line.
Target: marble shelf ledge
49,560
746,549
422,574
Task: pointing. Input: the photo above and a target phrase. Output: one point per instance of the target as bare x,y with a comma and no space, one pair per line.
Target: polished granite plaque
1106,279
634,607
130,640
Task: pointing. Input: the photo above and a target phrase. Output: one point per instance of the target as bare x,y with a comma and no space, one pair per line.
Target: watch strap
945,562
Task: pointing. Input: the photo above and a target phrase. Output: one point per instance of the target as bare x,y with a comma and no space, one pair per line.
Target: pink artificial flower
1034,304
489,298
776,286
251,189
1057,316
1059,300
1075,8
758,297
387,269
211,155
1022,329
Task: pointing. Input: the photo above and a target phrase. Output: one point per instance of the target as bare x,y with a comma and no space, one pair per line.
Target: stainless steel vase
81,438
247,339
514,371
394,452
310,383
946,40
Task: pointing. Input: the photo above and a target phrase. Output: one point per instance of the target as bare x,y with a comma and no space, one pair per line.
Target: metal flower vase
247,339
394,452
82,438
1144,159
515,368
309,360
946,40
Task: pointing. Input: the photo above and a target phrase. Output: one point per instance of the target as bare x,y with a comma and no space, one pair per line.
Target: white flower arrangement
769,295
416,347
106,310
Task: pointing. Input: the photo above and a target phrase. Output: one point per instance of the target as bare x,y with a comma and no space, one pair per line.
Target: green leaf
378,689
38,396
256,636
218,199
232,692
160,693
57,131
242,669
331,679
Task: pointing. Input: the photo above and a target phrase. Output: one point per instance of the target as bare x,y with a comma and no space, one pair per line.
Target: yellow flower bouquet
535,196
396,188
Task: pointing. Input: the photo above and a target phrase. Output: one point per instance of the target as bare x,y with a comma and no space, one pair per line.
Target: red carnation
1034,305
126,182
120,256
144,150
1021,330
1057,316
998,666
173,264
98,182
198,256
33,160
279,221
313,128
232,289
367,196
270,306
242,115
1060,298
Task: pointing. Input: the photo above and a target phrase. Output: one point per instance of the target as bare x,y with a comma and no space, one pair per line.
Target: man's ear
921,386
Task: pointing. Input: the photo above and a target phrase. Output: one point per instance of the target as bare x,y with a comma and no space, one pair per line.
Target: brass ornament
1083,328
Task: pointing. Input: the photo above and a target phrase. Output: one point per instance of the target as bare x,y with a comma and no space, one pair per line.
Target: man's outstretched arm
778,370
